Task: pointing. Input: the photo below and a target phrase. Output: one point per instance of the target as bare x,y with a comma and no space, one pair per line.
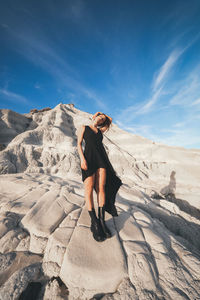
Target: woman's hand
94,116
84,165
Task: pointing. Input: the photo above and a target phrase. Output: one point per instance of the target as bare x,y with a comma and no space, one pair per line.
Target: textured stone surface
92,266
45,237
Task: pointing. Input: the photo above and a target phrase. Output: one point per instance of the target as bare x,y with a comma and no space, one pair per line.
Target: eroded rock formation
45,241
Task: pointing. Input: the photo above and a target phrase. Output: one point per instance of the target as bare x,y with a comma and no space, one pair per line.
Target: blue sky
137,61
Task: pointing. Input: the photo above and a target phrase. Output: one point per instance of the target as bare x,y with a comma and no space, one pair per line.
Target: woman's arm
94,116
80,133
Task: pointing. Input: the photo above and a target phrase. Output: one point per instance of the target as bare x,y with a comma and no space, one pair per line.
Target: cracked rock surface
46,245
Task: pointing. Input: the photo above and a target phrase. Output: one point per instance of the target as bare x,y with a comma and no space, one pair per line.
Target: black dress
96,157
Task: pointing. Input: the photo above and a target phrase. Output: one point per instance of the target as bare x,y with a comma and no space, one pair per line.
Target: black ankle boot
96,228
101,215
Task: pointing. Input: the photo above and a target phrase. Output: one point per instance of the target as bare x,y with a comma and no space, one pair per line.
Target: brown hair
106,123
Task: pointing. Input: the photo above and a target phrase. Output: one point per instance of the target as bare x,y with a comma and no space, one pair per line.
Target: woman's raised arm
94,116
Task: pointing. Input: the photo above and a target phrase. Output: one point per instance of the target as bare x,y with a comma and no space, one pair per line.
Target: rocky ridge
45,239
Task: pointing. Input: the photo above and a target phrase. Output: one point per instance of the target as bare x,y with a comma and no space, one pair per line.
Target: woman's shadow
168,192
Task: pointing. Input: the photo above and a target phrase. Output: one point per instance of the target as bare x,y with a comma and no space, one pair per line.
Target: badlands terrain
46,248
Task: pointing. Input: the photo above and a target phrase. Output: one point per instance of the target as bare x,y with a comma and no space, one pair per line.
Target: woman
98,173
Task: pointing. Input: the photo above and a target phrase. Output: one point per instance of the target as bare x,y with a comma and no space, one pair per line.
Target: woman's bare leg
95,227
100,181
101,198
88,193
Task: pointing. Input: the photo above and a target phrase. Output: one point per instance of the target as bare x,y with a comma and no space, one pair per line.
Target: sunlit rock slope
46,246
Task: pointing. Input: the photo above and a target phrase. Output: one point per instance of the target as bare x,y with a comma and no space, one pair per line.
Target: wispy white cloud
157,88
180,135
179,124
184,92
145,108
13,97
77,9
37,86
162,74
187,89
196,102
159,82
4,25
185,137
160,79
143,130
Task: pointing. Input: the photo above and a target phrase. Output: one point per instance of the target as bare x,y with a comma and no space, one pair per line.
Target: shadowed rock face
45,238
11,124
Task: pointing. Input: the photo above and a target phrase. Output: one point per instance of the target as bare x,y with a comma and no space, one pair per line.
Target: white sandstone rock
154,251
